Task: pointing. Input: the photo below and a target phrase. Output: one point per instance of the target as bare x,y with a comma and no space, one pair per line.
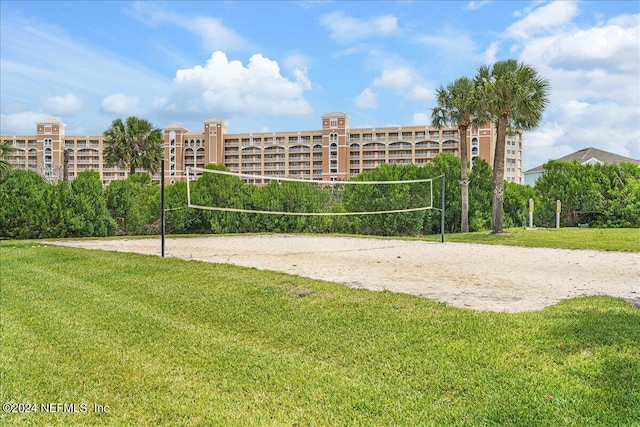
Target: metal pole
442,213
558,209
530,213
162,206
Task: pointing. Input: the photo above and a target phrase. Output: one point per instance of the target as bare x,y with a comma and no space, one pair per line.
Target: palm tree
511,94
457,106
6,151
135,143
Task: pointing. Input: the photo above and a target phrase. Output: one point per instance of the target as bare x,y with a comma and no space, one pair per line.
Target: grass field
171,342
606,239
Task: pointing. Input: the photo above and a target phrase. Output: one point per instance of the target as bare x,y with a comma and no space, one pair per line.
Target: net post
188,190
162,229
442,213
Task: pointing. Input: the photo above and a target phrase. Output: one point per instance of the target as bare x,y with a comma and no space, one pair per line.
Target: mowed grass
184,343
606,239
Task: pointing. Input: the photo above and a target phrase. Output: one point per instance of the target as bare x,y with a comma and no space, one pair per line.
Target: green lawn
171,342
606,239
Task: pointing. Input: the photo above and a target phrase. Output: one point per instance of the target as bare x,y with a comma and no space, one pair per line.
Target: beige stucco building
334,151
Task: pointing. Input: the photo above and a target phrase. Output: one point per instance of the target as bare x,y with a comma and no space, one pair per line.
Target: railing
428,145
300,166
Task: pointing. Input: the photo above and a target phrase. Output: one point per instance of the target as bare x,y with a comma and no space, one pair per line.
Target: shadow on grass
598,350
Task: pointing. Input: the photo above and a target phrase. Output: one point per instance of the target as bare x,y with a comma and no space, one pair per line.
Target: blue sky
281,65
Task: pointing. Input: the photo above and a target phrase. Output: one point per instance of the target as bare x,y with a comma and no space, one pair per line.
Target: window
333,123
333,155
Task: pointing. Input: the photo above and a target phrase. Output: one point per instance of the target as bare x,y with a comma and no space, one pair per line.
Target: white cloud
575,108
23,122
450,47
577,125
367,99
84,73
62,105
610,47
397,79
490,54
543,19
228,87
302,78
421,93
405,82
296,61
450,42
421,119
476,4
212,32
121,105
633,148
600,63
545,143
545,136
346,29
594,78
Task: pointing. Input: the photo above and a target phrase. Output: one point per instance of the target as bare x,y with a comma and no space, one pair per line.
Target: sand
481,277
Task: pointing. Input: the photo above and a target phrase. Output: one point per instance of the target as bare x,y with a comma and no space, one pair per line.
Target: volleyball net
247,193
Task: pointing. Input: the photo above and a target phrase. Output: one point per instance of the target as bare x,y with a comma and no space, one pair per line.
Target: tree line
510,94
30,208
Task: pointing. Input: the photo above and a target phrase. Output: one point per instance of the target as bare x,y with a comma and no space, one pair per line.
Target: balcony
300,150
297,157
88,161
274,167
298,166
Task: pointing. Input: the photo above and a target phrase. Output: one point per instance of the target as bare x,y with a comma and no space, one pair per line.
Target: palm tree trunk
65,166
497,184
132,169
464,179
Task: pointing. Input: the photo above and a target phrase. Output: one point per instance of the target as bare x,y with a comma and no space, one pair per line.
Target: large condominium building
335,151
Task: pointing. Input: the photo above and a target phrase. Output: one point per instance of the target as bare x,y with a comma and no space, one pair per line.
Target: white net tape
192,172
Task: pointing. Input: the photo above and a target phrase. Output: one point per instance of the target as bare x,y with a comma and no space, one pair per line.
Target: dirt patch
483,277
